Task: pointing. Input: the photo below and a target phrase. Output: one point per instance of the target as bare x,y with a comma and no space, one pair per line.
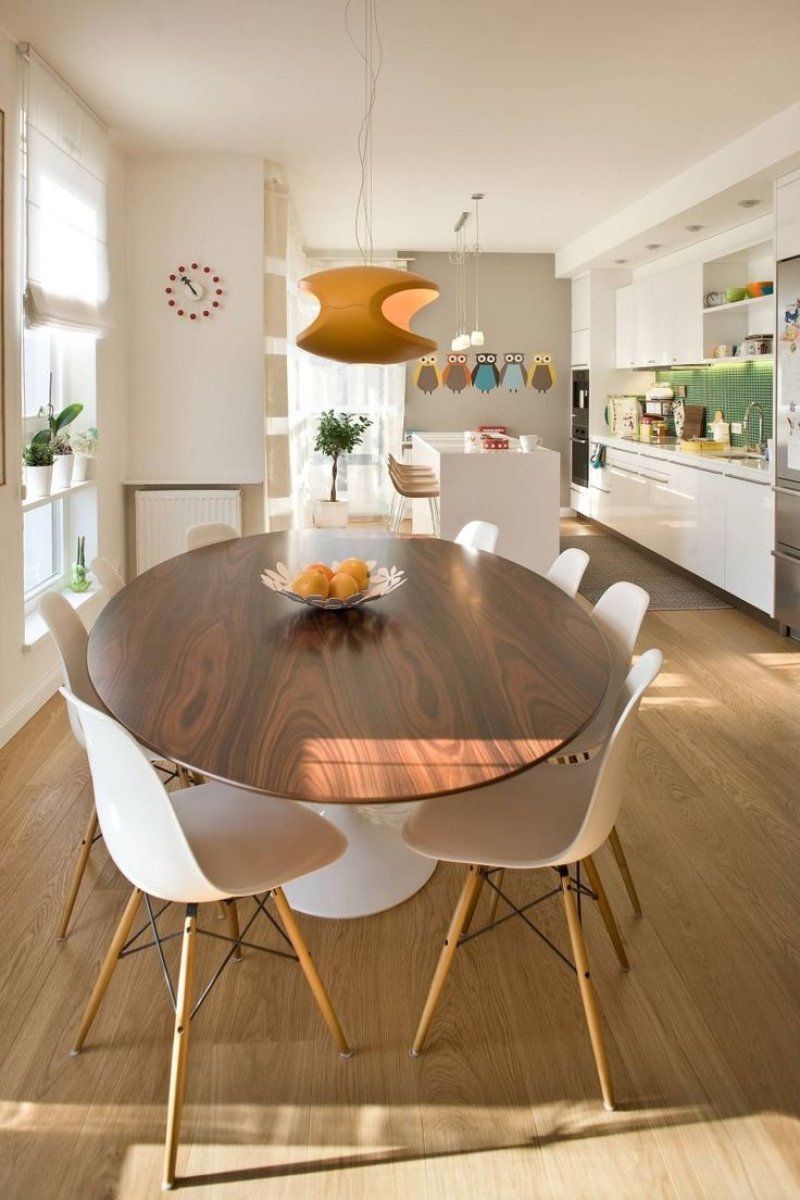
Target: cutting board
695,424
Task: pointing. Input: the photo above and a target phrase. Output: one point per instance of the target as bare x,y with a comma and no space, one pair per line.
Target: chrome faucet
760,445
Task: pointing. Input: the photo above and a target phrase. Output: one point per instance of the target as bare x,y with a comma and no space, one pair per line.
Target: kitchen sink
744,456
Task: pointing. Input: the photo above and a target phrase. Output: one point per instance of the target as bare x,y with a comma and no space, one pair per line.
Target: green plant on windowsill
80,576
84,441
37,454
56,423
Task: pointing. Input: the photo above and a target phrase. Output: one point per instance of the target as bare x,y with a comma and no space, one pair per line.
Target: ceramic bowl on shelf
734,294
762,287
382,581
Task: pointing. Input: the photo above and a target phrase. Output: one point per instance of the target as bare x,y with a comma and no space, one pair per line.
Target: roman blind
66,165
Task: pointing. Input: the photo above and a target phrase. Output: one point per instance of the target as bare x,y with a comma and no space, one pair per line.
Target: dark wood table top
473,670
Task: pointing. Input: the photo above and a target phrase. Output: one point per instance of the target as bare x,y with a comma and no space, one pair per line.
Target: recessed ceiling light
748,203
620,261
694,228
653,246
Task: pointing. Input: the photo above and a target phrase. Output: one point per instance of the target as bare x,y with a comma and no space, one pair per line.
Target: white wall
29,677
196,388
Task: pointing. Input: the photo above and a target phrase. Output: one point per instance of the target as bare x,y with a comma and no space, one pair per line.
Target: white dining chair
545,817
478,535
108,575
619,614
72,640
568,569
208,533
213,842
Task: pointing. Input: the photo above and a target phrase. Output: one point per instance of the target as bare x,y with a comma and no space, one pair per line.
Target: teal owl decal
513,375
427,377
543,373
485,375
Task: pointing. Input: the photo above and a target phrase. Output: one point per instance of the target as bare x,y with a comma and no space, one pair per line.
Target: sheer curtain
317,384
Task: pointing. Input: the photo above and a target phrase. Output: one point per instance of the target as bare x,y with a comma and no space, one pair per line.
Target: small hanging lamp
459,259
365,311
476,337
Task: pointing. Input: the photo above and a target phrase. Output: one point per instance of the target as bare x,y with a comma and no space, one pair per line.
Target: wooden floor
703,1032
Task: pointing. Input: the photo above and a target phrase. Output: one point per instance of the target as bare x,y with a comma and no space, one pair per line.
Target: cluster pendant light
463,340
365,311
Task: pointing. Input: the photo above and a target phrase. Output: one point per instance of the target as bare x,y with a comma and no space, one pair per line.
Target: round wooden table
472,671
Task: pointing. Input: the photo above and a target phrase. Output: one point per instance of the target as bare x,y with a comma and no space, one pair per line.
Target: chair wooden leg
473,904
624,870
310,971
494,898
588,997
233,926
107,969
77,875
183,777
180,1045
606,912
469,894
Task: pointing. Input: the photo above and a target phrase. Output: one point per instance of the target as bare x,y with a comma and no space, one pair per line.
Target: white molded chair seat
208,533
478,535
544,817
108,575
568,570
211,842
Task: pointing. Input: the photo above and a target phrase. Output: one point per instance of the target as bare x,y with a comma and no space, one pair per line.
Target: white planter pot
62,472
37,482
330,514
80,468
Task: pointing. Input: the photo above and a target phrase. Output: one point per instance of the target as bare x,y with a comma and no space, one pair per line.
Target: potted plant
79,581
58,441
38,460
336,435
84,447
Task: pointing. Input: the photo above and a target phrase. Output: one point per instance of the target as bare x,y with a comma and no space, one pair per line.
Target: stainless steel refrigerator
787,444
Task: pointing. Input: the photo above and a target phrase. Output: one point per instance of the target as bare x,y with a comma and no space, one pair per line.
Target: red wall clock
194,291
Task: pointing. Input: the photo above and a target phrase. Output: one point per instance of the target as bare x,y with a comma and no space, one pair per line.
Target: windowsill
35,628
27,505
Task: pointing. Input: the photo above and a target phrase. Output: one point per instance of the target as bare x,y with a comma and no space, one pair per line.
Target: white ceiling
561,113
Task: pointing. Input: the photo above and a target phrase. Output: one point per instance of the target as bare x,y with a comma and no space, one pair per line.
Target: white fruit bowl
382,581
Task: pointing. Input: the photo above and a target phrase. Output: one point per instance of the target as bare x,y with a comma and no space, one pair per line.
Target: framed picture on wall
2,294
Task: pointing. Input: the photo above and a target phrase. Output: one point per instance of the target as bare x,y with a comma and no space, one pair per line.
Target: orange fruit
322,568
311,583
343,586
358,569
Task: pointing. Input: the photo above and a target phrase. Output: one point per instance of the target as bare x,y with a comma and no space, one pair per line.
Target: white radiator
162,519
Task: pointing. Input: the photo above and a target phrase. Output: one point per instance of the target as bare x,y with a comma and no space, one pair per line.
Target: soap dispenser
720,429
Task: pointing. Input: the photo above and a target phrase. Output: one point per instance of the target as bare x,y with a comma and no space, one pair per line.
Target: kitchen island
517,491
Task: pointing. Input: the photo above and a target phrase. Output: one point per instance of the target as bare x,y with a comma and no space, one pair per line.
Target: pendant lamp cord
371,53
476,198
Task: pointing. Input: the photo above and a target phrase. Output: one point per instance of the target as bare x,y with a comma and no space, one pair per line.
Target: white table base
377,870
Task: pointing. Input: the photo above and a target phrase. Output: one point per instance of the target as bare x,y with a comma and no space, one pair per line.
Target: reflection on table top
474,669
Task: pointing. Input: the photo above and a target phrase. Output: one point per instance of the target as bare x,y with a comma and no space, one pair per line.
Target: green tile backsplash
729,386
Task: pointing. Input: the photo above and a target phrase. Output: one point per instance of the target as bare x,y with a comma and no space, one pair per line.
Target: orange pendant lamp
365,313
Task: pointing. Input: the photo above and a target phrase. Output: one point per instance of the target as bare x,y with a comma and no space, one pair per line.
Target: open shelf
740,358
27,505
746,303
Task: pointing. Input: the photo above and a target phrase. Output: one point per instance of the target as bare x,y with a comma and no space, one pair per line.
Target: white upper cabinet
787,218
660,319
580,303
626,326
686,301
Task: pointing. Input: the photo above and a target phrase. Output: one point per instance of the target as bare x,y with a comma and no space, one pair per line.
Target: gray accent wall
523,308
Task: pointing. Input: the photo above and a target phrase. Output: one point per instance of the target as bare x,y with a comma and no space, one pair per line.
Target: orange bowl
763,287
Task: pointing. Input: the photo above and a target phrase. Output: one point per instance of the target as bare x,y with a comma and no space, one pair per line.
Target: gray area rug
611,560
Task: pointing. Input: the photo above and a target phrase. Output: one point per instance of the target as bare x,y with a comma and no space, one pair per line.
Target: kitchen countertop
453,443
753,469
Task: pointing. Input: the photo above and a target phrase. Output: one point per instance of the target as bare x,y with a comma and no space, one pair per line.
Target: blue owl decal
513,374
485,375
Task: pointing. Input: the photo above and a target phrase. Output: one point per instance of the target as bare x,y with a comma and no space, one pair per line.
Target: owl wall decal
428,376
456,374
485,375
513,375
543,373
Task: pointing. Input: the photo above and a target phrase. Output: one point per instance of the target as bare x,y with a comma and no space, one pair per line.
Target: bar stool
413,483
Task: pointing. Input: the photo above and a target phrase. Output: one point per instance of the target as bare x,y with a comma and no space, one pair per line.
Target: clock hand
185,279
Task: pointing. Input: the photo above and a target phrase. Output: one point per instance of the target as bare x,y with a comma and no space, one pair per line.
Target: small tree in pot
337,435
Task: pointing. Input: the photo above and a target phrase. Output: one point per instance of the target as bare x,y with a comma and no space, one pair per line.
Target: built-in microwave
580,393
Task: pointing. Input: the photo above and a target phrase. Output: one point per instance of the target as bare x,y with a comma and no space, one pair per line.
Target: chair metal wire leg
107,969
180,1045
606,912
590,1006
77,875
624,870
469,894
495,896
310,971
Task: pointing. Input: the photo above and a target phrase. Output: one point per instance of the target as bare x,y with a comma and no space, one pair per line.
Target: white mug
530,441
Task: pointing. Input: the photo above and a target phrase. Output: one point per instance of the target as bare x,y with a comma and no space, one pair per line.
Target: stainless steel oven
580,451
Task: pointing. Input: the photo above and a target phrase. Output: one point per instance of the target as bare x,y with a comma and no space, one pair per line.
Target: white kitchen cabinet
787,217
749,533
580,347
685,291
653,322
580,302
626,326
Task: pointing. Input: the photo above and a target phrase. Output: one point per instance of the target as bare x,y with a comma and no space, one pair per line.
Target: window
43,547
